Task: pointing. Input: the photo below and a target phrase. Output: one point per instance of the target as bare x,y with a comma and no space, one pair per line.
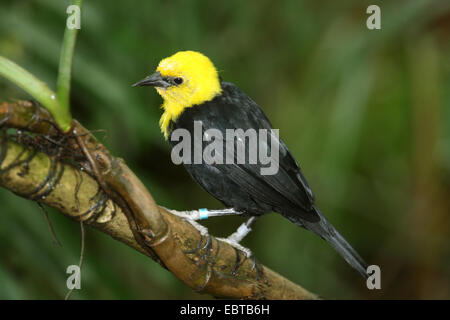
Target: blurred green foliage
366,114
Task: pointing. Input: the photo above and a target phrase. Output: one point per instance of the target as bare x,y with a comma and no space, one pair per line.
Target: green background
365,112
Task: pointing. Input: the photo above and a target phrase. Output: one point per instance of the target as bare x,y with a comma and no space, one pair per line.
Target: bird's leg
202,214
243,230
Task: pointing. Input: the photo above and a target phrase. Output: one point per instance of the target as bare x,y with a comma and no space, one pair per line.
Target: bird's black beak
154,80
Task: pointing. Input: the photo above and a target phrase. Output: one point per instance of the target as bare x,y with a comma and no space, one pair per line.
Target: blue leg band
203,213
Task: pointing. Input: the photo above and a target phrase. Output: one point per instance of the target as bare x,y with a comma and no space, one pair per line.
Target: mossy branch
211,267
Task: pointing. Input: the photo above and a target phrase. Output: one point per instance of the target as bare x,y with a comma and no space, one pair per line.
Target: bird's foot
201,214
234,244
243,230
202,229
234,239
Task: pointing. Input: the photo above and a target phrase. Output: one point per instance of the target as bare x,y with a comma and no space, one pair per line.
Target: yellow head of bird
184,79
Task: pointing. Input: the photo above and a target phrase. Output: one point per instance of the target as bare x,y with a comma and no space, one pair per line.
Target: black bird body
192,92
241,186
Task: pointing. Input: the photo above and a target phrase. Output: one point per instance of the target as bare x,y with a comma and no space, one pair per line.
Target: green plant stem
65,69
35,87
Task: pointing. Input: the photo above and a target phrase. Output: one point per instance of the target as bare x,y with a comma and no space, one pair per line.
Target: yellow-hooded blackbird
194,95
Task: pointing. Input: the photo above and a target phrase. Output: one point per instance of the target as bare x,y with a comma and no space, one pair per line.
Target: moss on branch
206,265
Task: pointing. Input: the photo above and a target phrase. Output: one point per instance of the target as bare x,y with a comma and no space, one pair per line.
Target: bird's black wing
286,191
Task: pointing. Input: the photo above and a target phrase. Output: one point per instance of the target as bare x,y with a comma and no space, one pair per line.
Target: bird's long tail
327,231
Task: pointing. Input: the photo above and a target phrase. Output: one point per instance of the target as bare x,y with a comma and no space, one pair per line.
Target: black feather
242,186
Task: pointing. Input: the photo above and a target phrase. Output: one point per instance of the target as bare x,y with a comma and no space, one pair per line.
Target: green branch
35,87
65,67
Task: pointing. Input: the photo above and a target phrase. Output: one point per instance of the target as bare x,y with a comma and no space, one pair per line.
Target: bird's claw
234,244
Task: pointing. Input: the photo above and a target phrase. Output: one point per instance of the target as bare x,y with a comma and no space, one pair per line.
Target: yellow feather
200,84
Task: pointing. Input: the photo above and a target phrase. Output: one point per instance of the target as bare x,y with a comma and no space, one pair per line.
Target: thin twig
49,223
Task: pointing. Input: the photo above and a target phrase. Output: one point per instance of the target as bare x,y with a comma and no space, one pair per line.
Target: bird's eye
178,80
